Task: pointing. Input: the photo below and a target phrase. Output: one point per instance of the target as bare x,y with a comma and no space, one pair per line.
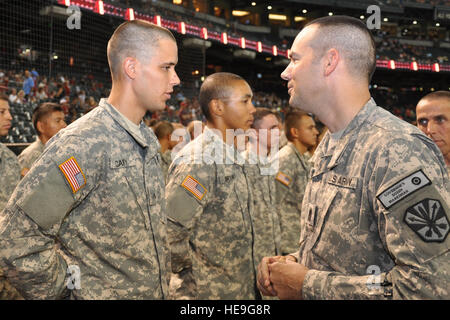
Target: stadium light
157,20
275,50
239,13
436,67
67,3
392,64
253,4
414,22
414,66
438,24
243,43
224,38
182,27
269,7
279,17
304,11
129,14
330,13
99,8
259,46
205,33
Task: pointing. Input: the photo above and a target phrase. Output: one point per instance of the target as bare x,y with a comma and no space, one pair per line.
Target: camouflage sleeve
187,192
29,225
409,195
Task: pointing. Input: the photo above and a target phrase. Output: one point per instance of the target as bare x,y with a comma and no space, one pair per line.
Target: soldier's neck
299,146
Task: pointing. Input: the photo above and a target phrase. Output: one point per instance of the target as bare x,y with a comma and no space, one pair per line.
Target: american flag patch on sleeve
73,174
194,187
284,179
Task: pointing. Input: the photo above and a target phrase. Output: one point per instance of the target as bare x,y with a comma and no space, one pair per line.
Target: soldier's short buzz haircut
138,39
260,114
292,121
216,86
351,38
163,129
42,111
437,95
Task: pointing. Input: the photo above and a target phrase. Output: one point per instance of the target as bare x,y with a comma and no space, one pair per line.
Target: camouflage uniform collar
348,134
232,155
146,139
303,159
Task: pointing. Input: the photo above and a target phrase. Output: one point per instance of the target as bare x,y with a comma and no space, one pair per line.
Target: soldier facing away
88,220
374,219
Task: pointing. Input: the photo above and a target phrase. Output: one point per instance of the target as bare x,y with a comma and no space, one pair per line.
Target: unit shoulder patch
195,187
428,220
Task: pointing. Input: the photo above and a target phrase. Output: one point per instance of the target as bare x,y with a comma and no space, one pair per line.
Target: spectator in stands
13,96
28,83
433,118
48,119
93,204
20,97
41,95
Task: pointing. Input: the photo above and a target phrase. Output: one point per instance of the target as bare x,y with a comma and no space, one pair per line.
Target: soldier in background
208,199
10,176
374,221
292,176
261,172
433,118
88,220
163,131
48,119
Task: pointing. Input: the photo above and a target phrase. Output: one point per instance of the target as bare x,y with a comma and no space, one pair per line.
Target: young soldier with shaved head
209,205
433,118
88,220
375,215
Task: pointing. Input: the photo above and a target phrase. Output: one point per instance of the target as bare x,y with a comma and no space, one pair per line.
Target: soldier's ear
216,108
294,132
39,127
129,67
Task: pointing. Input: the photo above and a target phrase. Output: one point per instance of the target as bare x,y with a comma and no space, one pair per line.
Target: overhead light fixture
385,20
298,19
330,13
239,13
304,11
269,7
253,4
361,17
438,24
414,22
279,17
177,1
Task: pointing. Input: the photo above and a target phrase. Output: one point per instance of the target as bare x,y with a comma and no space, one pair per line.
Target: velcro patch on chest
343,181
283,178
405,187
195,187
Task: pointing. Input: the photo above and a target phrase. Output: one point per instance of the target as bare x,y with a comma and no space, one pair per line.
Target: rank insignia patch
428,219
283,178
194,187
73,174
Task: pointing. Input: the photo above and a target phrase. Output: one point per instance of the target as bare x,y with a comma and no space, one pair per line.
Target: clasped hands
281,276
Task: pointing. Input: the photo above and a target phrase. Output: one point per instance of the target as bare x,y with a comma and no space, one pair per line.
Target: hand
287,279
263,280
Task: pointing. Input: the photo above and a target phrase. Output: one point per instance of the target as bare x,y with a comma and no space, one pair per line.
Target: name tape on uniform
403,188
283,178
343,181
193,186
73,174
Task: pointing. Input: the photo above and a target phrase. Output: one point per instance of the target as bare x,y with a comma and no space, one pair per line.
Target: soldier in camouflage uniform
89,217
48,119
375,213
292,176
208,200
10,176
163,131
433,118
261,172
